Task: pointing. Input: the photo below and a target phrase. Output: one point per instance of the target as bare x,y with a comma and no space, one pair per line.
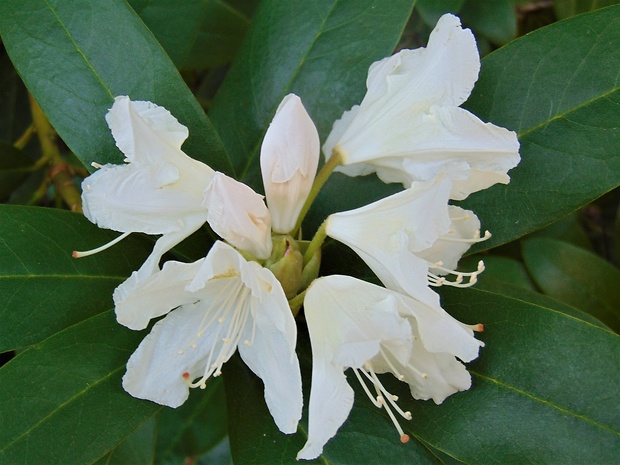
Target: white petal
440,332
271,354
144,131
137,300
289,159
239,215
349,321
174,347
331,400
390,234
464,226
127,198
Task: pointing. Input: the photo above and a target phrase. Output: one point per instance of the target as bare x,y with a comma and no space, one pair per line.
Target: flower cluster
244,295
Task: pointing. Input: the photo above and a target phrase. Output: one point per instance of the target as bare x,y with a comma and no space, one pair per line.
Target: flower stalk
321,178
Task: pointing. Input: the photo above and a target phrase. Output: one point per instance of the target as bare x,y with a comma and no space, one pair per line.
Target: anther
404,438
96,165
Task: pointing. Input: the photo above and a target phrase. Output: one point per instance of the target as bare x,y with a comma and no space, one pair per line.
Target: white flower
158,191
355,324
224,303
410,238
409,126
239,215
289,159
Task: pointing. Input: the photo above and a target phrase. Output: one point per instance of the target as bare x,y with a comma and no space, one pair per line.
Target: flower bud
288,266
289,159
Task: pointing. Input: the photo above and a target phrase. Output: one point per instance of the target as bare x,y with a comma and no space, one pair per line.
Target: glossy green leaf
193,429
544,389
566,8
137,449
62,400
498,268
496,20
42,288
195,34
558,88
14,109
320,53
576,277
432,10
75,57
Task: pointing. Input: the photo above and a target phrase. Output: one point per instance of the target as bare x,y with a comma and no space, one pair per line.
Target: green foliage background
546,385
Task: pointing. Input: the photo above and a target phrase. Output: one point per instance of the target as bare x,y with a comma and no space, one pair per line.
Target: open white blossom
409,126
289,158
221,303
358,325
411,238
239,215
158,191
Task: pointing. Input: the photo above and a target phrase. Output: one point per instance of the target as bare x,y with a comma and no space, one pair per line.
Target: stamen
86,253
473,240
382,395
436,280
478,328
96,165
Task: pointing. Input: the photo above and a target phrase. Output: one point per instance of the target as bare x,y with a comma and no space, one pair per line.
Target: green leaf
575,276
195,428
62,400
14,108
195,34
498,268
566,8
136,449
544,388
75,57
320,53
558,88
42,288
494,20
432,10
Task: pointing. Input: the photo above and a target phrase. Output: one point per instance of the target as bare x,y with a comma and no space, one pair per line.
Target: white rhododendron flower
221,303
239,215
358,325
409,126
289,159
410,238
158,191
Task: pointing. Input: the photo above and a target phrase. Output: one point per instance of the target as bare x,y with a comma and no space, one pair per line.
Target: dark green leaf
496,20
432,10
566,8
14,108
575,276
195,34
42,288
545,388
498,268
62,400
193,429
136,449
320,53
558,88
567,229
75,57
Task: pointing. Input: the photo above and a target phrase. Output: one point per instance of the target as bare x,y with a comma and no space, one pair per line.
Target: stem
316,242
296,302
59,172
320,179
25,137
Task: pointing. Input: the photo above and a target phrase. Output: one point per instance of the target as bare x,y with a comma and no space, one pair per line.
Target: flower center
226,318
